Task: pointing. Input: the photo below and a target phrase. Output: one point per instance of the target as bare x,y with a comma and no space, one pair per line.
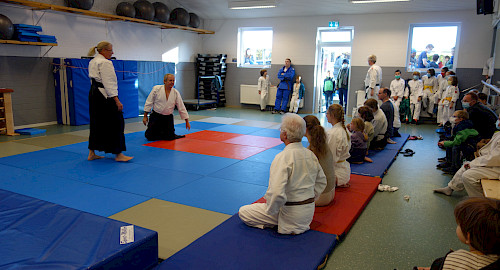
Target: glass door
333,46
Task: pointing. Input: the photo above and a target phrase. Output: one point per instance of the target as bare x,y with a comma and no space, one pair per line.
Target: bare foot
446,191
344,185
367,159
122,158
93,156
359,162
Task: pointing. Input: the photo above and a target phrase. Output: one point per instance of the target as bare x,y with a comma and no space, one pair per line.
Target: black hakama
160,127
106,122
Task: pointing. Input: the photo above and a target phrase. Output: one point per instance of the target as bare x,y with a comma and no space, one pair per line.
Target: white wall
76,34
385,35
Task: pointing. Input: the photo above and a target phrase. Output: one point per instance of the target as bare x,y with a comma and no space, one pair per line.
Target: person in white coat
373,78
263,85
431,87
296,180
339,141
443,83
161,102
449,99
414,91
485,166
105,109
397,88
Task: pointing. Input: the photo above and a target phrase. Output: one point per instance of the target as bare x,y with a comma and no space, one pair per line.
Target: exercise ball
194,20
179,16
144,10
81,4
6,27
125,9
162,13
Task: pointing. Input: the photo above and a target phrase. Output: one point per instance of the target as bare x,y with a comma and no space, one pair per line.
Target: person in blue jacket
285,75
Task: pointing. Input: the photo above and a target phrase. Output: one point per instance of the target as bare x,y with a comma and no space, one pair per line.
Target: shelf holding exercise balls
144,10
125,9
194,20
6,27
162,13
179,16
81,4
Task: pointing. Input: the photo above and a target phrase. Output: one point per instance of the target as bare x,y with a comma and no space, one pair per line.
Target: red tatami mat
219,144
338,217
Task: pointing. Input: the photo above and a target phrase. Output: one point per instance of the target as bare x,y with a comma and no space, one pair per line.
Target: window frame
241,48
440,24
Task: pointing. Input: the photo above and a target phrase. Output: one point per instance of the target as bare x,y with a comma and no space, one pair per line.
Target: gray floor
391,233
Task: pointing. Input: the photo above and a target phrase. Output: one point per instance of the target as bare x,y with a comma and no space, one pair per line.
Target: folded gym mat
382,160
338,217
40,235
234,245
30,131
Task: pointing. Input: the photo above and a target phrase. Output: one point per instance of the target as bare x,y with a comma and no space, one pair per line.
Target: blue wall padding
78,83
146,81
234,245
37,234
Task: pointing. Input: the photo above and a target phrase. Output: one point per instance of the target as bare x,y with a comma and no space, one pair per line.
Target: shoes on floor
443,165
274,112
442,159
282,112
407,152
449,170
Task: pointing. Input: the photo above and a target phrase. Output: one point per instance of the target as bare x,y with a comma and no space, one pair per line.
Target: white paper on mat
126,234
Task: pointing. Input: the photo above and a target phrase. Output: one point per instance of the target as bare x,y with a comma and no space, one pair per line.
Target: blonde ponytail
102,45
92,51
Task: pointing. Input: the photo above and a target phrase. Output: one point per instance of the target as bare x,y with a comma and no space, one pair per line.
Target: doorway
333,45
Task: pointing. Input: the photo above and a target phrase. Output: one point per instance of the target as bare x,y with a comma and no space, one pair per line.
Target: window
433,46
254,47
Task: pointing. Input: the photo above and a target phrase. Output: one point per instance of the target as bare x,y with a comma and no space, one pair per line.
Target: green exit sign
333,24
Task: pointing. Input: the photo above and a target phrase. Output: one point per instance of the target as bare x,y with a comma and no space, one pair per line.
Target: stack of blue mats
47,39
25,32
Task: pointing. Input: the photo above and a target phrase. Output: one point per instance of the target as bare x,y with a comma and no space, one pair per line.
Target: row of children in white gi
427,92
264,84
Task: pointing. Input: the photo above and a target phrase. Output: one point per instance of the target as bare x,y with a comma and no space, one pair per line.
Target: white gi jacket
373,76
295,176
379,124
103,71
339,142
443,83
489,155
263,83
430,83
157,100
397,88
450,94
417,90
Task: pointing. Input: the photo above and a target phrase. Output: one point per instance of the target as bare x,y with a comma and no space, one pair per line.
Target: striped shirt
466,260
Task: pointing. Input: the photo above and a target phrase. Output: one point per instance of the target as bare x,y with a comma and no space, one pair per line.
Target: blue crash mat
234,245
40,235
382,160
30,131
400,142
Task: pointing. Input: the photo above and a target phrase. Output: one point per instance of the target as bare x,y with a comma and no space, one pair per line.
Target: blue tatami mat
215,194
400,142
198,125
382,160
34,160
145,180
235,129
266,156
89,198
266,132
234,245
247,172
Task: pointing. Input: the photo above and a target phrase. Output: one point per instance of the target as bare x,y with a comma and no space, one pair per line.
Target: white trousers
446,113
263,99
471,179
375,93
429,99
342,172
415,110
294,104
291,219
439,114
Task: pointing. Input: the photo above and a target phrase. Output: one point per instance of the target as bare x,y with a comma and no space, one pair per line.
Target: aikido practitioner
161,102
296,180
105,109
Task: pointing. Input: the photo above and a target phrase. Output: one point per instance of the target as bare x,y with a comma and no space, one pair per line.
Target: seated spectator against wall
296,180
379,125
486,165
462,139
481,116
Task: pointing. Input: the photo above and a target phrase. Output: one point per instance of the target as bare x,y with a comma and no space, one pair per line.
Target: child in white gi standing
298,94
397,88
448,99
415,92
263,86
431,86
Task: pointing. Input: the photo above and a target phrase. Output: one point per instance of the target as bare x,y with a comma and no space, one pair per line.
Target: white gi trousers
263,99
294,103
446,113
291,218
429,99
415,110
471,179
342,172
375,93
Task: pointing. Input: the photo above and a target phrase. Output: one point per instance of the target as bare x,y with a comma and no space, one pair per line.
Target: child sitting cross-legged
358,141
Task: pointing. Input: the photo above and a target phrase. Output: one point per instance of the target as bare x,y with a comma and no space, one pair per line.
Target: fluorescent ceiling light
251,4
375,1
